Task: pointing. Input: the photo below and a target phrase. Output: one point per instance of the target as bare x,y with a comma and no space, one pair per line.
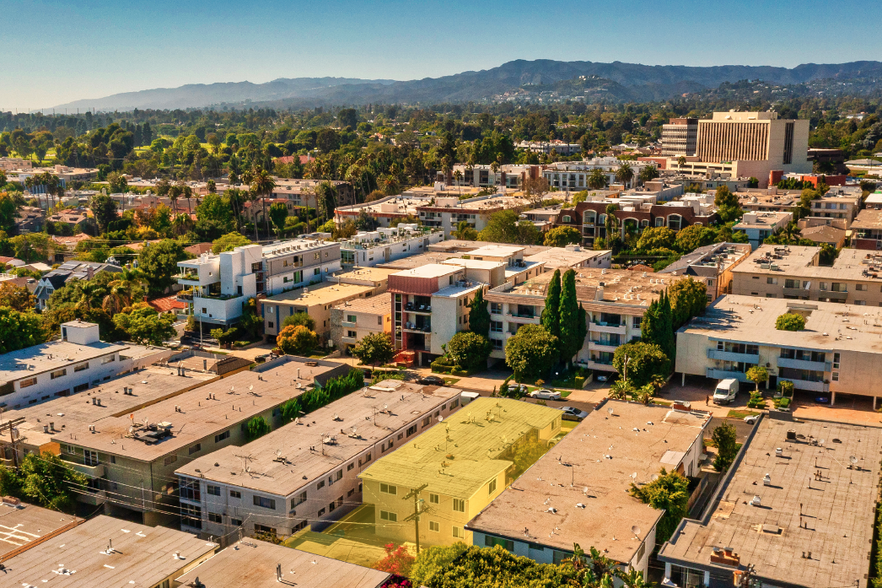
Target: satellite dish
440,418
635,530
654,477
853,459
634,476
251,387
610,410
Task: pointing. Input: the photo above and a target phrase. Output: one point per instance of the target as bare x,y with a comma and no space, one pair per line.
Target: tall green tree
144,325
668,492
728,206
562,236
657,326
469,350
570,344
214,217
625,174
551,313
641,362
45,480
262,185
103,208
278,213
229,242
688,300
374,349
19,330
159,262
725,439
597,179
479,316
531,352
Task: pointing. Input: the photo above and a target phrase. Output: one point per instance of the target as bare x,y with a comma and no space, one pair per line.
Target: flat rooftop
621,286
399,205
867,219
324,293
831,517
51,356
781,200
293,246
364,275
204,411
796,261
830,325
79,557
379,304
564,257
418,260
253,564
148,386
465,246
431,270
763,220
710,260
357,422
593,466
496,251
28,524
474,263
476,434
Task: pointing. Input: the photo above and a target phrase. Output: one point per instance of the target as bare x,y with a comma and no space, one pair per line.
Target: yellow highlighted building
452,471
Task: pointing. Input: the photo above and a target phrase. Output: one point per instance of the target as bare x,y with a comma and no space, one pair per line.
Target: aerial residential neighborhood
286,300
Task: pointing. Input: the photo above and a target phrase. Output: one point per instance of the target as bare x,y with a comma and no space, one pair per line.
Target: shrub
790,322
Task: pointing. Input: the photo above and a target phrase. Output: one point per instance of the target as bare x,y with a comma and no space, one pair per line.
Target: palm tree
597,179
174,192
181,223
187,192
262,185
122,289
625,174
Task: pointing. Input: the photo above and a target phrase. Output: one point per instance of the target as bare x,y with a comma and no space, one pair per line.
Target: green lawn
740,414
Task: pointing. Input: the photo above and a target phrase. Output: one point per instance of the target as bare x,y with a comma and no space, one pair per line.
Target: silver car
573,414
545,394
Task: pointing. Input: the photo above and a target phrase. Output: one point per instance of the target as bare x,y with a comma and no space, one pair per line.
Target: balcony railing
718,374
733,356
803,364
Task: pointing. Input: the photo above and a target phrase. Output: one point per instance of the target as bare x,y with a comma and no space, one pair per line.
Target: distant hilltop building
737,144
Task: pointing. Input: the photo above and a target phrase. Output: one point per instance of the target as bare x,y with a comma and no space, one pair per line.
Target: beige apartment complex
711,265
840,350
794,272
353,320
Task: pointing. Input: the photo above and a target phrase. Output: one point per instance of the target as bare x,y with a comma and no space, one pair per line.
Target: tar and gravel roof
24,524
831,517
357,422
478,434
594,466
253,564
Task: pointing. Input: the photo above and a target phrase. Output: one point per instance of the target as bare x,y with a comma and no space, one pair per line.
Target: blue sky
65,51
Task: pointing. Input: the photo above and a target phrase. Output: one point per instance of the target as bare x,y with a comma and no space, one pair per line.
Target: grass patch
450,381
662,402
740,414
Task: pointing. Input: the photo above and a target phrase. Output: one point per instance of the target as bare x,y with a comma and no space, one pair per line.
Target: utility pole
11,426
417,511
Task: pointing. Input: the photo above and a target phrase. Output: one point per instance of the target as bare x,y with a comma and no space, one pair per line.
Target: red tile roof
167,304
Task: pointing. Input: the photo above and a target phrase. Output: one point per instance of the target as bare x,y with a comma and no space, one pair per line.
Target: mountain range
511,81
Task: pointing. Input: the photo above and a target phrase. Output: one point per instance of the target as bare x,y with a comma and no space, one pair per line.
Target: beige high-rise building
754,136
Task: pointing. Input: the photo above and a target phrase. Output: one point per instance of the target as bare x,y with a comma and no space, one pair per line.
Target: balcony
418,308
801,364
523,318
796,292
807,385
732,356
417,327
716,374
600,366
612,328
609,346
95,471
92,498
217,296
833,296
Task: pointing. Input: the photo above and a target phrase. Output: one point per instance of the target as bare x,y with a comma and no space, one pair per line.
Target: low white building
759,225
369,248
76,363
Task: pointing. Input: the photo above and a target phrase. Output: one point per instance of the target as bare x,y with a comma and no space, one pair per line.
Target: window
387,445
835,376
236,522
222,436
349,467
81,367
58,374
109,359
320,485
495,308
435,526
427,421
504,543
214,517
454,404
317,271
388,489
411,430
434,499
351,318
457,532
298,500
492,486
321,513
213,490
191,516
836,357
860,287
458,505
388,516
189,490
270,325
194,448
90,458
351,334
170,459
771,280
27,382
264,529
364,459
264,502
860,302
235,494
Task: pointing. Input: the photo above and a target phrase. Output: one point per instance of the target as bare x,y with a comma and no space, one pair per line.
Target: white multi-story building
369,248
573,175
217,287
79,361
448,212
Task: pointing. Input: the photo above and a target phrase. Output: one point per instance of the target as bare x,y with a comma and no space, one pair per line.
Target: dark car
431,381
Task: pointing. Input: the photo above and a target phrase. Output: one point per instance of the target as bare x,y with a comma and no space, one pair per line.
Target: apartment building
837,351
317,301
614,301
548,147
105,551
386,210
550,508
769,511
299,192
261,564
38,423
217,287
130,460
306,473
866,230
369,248
571,257
769,200
509,176
794,272
448,212
573,175
712,265
354,320
79,361
679,137
29,525
759,225
457,468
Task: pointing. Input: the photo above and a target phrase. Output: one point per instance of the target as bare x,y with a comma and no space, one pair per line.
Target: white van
726,391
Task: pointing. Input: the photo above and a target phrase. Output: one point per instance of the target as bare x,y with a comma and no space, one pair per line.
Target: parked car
545,394
573,414
431,381
602,378
726,391
751,419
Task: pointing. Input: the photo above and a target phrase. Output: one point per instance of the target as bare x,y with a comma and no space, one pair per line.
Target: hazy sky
55,52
